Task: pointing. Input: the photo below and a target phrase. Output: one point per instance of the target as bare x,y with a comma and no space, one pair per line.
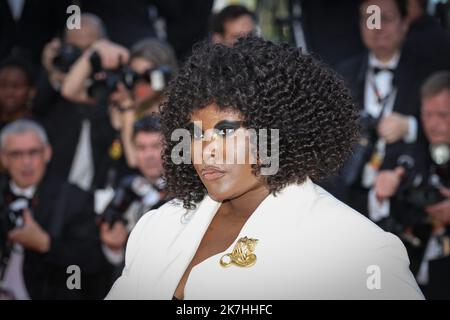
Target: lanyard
382,101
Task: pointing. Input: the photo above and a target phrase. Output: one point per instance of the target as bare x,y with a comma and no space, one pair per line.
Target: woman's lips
212,173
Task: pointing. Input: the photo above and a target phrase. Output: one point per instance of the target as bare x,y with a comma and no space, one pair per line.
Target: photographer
60,53
131,84
78,146
416,197
46,224
136,194
95,76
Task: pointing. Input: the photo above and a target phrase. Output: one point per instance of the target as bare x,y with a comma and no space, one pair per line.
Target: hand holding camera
106,56
30,235
111,55
113,230
422,191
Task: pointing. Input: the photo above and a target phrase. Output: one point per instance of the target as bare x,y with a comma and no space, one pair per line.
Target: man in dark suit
46,224
385,83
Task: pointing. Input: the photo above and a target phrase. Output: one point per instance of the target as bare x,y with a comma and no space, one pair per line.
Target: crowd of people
81,141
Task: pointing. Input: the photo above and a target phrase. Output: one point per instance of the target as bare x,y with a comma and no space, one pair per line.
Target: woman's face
221,153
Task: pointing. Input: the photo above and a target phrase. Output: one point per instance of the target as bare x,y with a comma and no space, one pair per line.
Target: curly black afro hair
272,86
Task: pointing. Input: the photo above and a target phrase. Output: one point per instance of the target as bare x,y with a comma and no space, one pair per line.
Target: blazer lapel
271,224
179,250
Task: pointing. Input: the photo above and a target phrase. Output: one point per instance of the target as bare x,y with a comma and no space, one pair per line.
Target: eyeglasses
19,154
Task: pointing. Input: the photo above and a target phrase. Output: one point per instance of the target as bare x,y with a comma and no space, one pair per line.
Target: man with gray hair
46,224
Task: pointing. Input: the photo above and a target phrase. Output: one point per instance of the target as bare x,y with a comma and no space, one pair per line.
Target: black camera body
104,82
157,77
66,57
131,188
422,190
12,217
425,194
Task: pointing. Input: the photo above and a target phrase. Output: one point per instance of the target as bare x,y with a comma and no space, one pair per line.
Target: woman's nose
211,147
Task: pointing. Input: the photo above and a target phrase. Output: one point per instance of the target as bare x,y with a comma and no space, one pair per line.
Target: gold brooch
242,254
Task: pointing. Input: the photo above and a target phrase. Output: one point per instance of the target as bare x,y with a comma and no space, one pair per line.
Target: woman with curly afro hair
248,131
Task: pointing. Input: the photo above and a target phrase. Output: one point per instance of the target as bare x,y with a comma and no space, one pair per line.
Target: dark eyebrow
228,124
224,124
192,127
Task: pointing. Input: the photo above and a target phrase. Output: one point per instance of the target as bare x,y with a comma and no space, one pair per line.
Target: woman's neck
243,206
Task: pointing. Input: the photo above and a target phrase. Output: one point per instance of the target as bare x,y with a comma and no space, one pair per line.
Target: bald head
91,30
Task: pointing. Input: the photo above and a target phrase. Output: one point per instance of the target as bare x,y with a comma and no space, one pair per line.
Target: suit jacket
66,213
311,246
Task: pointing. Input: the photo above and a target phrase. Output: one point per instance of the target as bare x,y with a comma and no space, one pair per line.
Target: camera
418,190
13,215
66,57
131,188
104,82
423,190
157,77
11,218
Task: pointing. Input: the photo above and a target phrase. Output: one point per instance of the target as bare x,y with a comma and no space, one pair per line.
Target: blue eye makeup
226,128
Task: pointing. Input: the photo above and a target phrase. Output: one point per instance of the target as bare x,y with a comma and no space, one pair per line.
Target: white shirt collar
25,192
391,64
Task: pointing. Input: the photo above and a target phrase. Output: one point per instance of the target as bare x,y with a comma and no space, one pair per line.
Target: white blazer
311,246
